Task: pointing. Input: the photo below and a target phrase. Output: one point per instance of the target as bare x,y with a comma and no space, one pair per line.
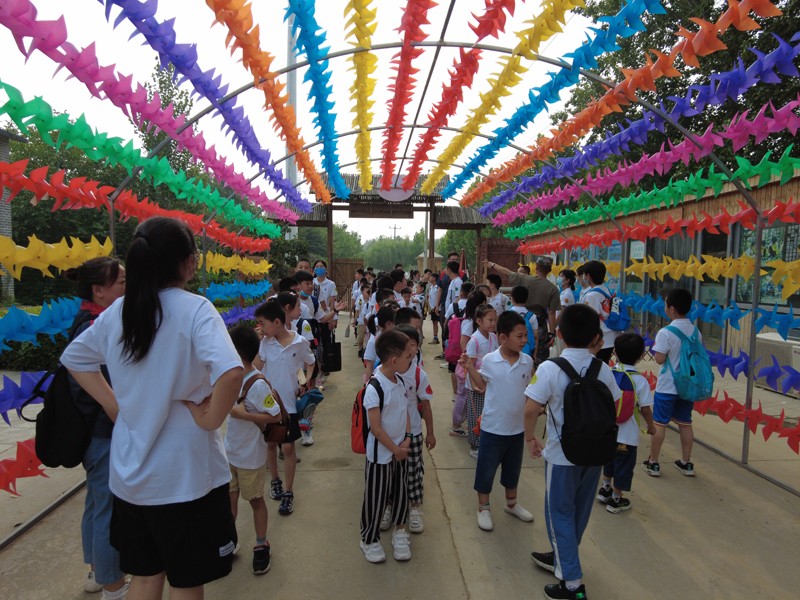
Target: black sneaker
603,494
287,504
652,468
559,591
545,560
617,505
686,469
276,489
260,560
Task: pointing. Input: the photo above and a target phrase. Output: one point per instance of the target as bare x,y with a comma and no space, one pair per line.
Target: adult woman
100,281
176,376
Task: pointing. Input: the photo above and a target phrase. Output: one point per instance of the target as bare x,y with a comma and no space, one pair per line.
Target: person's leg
663,408
475,402
415,469
195,593
435,330
272,460
687,441
489,458
511,466
561,493
289,465
376,492
584,500
656,441
260,518
399,493
453,382
147,588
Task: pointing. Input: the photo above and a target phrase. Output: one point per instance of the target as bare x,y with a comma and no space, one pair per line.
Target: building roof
458,217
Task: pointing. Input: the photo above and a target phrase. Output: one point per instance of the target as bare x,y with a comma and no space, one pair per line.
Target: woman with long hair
176,376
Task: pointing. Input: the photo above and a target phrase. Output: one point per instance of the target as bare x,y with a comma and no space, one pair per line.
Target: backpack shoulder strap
315,302
594,368
249,384
598,289
566,366
677,332
456,310
377,386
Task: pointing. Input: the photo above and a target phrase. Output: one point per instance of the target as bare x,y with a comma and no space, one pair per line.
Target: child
406,294
629,348
382,321
519,299
570,489
418,299
566,283
480,343
281,354
387,449
361,318
245,445
667,405
497,299
503,375
598,296
433,298
419,410
465,310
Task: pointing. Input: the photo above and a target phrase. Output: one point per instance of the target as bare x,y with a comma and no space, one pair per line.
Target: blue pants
96,523
568,500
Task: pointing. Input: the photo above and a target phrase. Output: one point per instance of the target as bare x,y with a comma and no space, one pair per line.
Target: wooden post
478,261
432,238
329,220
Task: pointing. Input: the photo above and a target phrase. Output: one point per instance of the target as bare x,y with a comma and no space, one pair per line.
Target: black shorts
434,317
294,428
451,367
192,542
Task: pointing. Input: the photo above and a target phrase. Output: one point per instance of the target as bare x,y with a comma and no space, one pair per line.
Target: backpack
589,432
453,351
530,345
694,380
445,331
273,432
359,422
626,406
63,432
618,318
312,322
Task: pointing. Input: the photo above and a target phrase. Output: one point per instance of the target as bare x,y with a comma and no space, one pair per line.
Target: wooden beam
329,219
432,238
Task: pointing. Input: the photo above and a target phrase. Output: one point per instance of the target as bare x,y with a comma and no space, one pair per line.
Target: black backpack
589,432
63,432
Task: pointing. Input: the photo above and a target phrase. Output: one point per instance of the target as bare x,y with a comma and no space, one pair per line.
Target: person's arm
464,341
551,317
532,411
475,378
97,387
427,416
259,418
400,452
258,362
211,412
647,414
490,266
327,317
660,357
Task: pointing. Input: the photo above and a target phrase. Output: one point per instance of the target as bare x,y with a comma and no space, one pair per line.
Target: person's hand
430,441
651,429
199,411
535,446
401,453
339,306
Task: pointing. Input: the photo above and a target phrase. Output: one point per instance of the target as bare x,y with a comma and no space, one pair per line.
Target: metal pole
751,375
112,224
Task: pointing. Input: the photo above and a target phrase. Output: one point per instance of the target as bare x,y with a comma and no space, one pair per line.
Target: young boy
503,375
598,296
419,410
667,405
281,354
497,299
433,297
570,489
387,449
361,318
519,299
629,348
245,445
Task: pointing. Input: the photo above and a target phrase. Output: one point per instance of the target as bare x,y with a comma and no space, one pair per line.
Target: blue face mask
559,281
320,271
303,294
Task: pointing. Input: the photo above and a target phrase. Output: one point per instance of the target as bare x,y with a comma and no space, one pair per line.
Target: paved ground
725,534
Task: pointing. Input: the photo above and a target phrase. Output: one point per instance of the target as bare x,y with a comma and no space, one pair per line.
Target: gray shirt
541,293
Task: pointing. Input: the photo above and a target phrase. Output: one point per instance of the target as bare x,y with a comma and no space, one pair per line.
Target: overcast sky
86,23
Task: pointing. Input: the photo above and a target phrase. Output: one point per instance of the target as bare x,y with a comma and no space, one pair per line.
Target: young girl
480,344
176,376
566,283
100,282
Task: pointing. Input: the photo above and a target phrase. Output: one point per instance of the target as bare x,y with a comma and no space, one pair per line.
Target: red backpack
359,423
627,404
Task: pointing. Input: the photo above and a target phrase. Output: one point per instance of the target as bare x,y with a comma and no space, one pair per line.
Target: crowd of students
175,483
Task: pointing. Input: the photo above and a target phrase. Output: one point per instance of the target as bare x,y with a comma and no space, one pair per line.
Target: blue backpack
619,318
530,345
694,379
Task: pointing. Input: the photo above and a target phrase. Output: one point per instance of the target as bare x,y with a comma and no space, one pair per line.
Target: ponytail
371,327
154,262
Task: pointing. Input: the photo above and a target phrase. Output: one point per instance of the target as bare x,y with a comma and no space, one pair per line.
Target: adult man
543,301
444,285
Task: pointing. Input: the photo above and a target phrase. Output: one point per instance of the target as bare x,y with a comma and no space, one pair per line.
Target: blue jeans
499,451
96,523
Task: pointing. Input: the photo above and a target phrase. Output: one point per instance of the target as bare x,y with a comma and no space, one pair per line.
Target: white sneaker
90,586
520,513
307,439
401,543
373,552
415,524
118,595
473,453
386,521
485,520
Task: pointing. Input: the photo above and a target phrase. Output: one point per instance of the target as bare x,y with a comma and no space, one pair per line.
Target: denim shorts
620,469
495,451
671,407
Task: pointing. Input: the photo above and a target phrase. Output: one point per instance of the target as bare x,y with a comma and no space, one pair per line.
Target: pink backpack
453,351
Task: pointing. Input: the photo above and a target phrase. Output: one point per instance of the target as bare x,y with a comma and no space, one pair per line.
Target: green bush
27,356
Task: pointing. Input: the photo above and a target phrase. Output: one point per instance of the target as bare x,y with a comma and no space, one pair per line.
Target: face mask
319,271
303,294
559,281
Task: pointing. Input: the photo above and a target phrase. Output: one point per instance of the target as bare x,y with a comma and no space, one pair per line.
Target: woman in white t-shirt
176,376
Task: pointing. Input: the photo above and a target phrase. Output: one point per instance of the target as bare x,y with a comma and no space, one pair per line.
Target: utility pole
394,229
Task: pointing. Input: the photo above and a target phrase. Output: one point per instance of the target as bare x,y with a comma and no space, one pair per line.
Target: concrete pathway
724,534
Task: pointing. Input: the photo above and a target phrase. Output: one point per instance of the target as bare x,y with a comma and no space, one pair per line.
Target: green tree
346,244
385,252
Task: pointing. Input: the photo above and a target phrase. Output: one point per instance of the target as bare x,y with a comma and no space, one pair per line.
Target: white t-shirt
244,442
453,291
281,364
417,301
433,291
668,343
363,312
448,311
629,430
305,329
369,351
393,416
356,289
423,391
602,305
307,309
504,406
159,455
547,387
568,297
499,302
532,320
467,327
325,290
479,346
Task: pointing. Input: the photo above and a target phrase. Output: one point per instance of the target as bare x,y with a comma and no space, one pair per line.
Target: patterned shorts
416,470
